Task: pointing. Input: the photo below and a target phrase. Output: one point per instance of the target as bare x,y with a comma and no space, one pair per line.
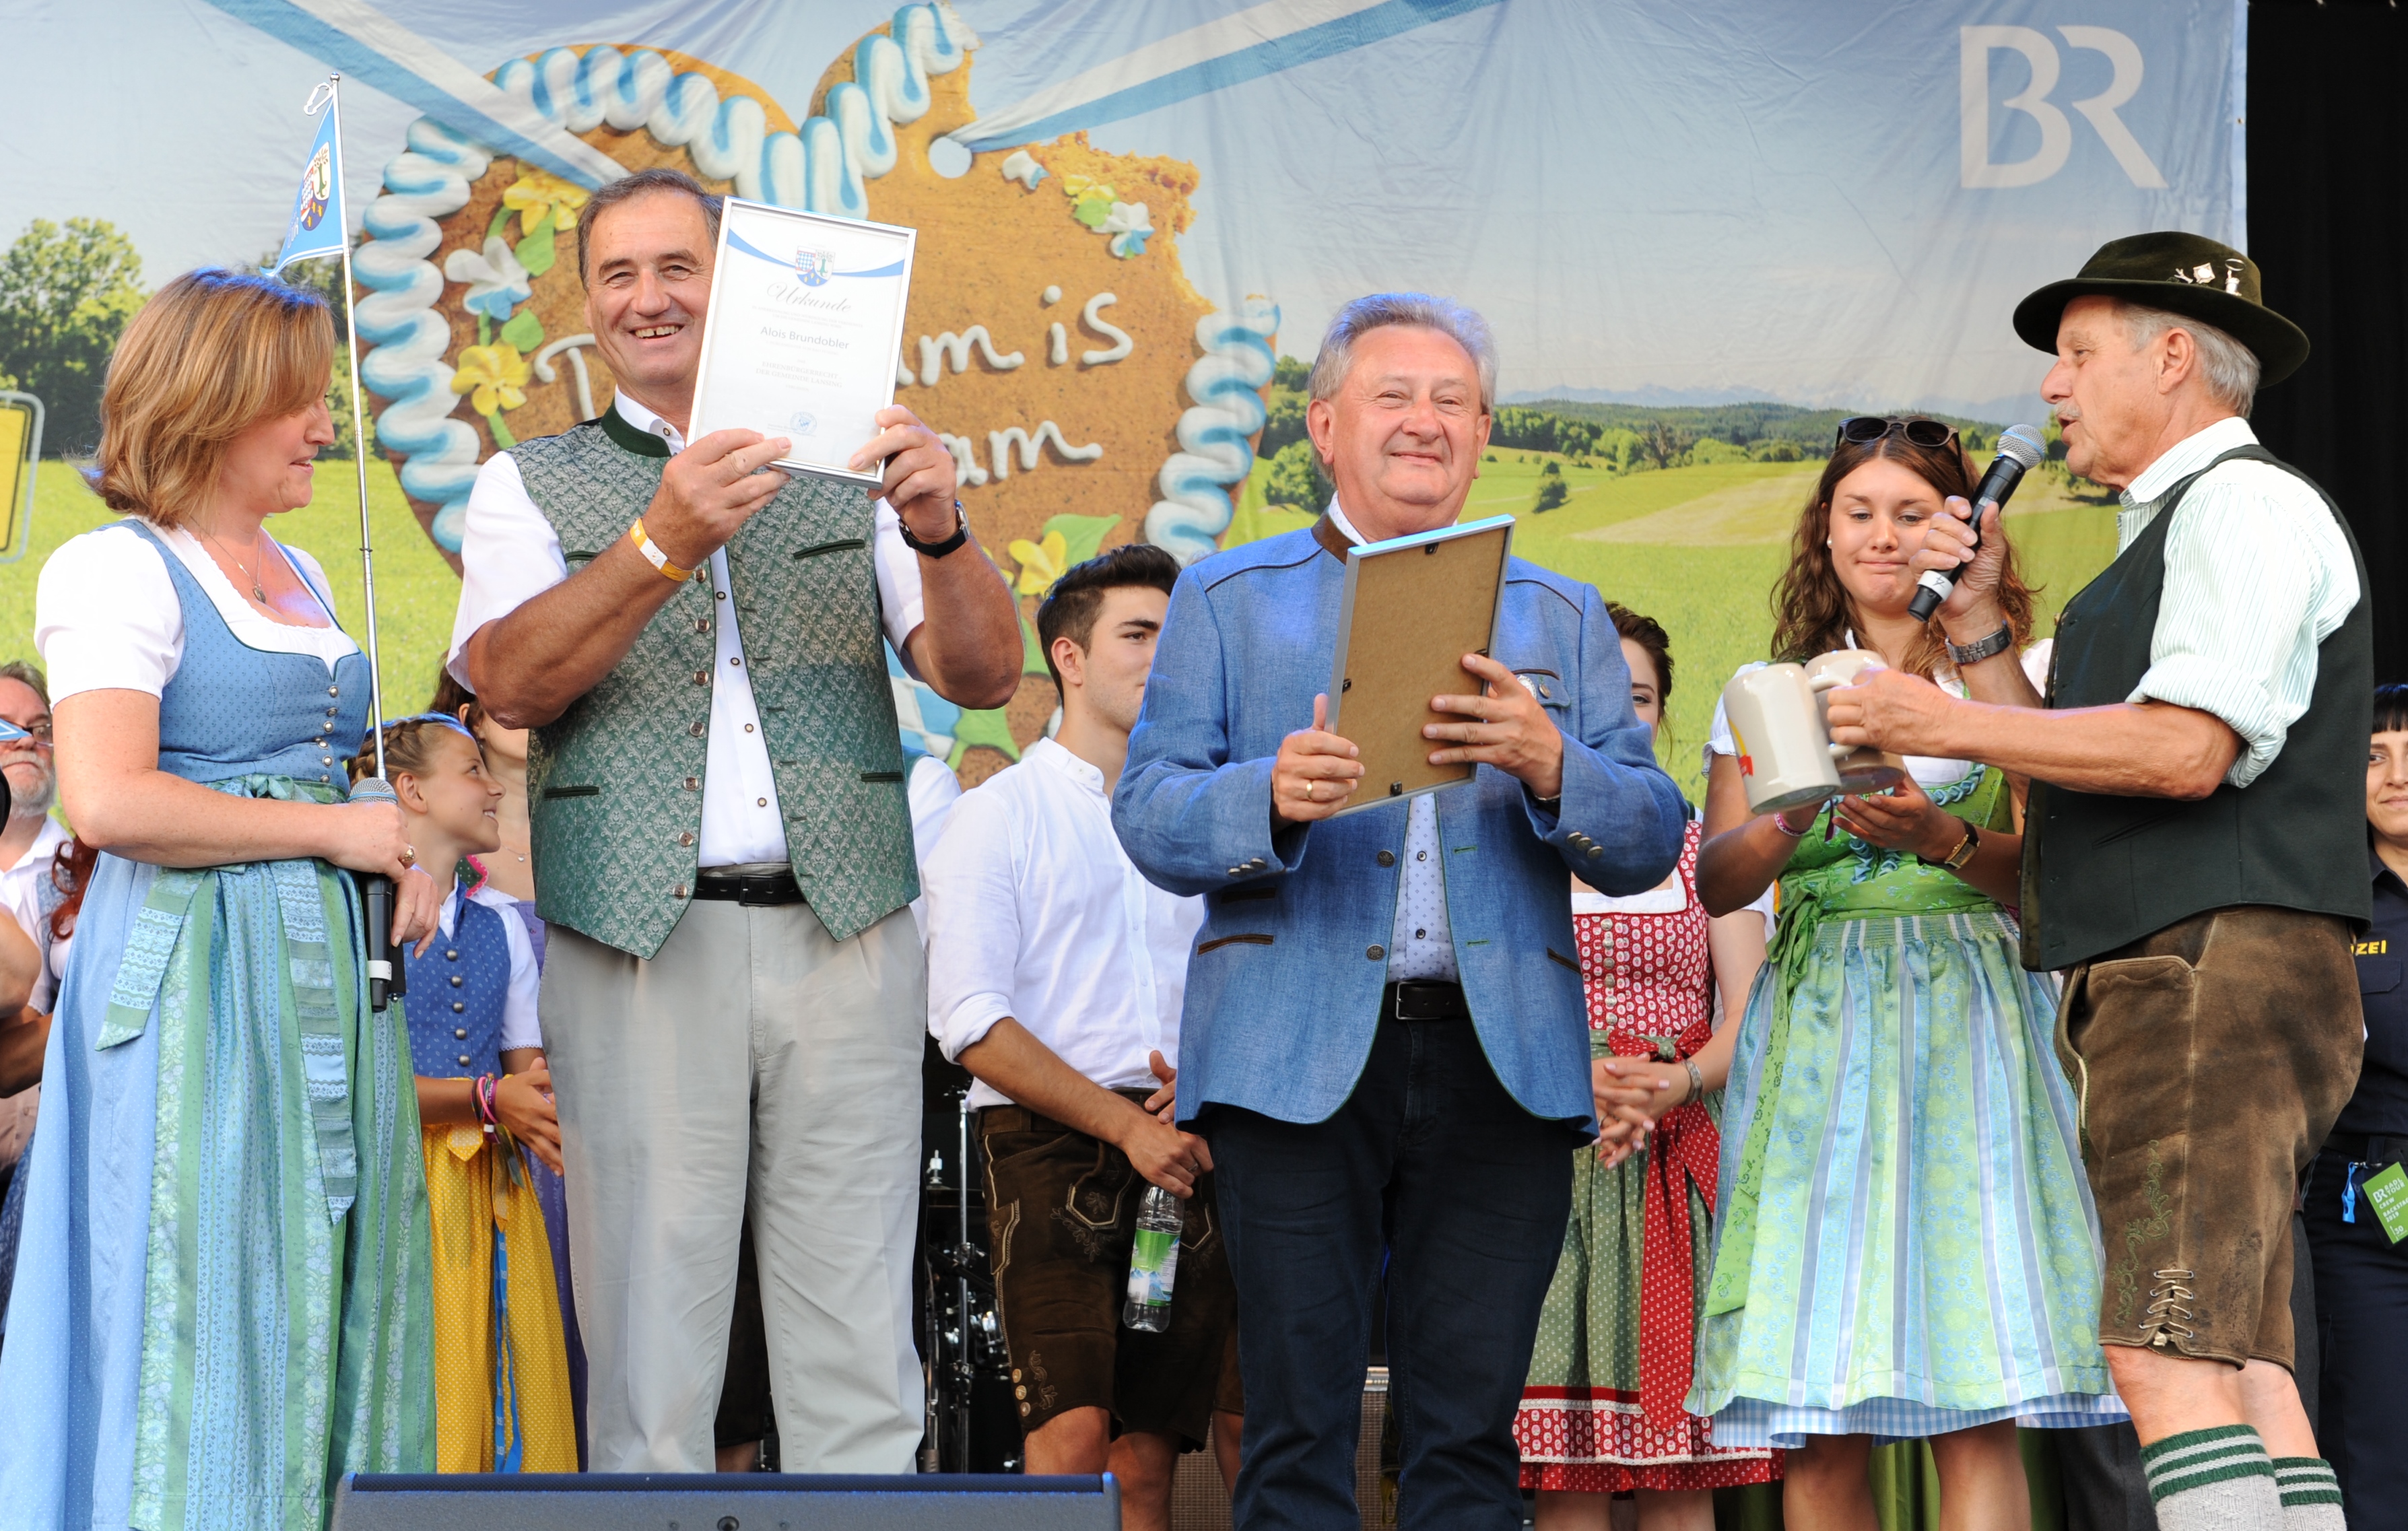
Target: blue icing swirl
1215,437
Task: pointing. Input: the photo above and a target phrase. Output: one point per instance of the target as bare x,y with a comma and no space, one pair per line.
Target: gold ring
410,855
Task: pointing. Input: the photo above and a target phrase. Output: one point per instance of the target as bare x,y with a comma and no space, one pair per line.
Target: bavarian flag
317,227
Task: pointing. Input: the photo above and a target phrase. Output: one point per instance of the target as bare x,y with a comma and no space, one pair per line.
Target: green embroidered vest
614,786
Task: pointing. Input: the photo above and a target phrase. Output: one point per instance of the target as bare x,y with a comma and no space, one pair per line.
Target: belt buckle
1418,1000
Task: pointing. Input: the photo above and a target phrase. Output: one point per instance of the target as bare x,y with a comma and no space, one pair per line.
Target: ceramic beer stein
1784,750
1862,768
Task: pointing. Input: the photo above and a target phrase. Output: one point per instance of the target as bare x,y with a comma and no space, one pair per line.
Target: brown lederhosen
2209,1059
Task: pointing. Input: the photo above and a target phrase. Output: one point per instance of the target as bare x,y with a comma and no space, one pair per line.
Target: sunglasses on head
1863,430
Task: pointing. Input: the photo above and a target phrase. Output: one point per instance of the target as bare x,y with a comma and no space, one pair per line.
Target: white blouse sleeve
106,616
520,1027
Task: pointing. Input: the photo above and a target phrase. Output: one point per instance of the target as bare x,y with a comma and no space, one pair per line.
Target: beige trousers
753,1055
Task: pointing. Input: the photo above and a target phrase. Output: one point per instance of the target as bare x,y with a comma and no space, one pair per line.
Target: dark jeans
2362,1310
1432,1174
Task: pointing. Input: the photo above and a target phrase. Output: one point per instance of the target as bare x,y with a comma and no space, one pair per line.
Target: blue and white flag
317,227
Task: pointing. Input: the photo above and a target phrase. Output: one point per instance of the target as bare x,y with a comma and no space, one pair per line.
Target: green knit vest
614,785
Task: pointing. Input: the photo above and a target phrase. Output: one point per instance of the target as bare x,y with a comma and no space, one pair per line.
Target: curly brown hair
1812,611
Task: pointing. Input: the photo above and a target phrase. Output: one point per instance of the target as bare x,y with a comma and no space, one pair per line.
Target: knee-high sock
2218,1480
2310,1495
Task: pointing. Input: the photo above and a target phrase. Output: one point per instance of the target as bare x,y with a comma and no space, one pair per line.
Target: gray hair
660,178
2228,368
1365,314
29,675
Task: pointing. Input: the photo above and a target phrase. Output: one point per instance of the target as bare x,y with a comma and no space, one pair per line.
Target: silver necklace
257,594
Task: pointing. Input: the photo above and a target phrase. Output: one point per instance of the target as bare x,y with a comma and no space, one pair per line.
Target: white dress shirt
1421,944
20,894
1034,912
510,554
2257,574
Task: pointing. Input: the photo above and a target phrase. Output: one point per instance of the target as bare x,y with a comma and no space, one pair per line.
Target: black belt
756,889
1421,999
2368,1148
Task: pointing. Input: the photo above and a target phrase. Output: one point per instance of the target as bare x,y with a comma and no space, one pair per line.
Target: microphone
387,979
2020,450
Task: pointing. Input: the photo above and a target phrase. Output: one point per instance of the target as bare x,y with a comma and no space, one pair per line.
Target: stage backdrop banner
1128,209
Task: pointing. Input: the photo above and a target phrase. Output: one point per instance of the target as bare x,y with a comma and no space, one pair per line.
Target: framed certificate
1412,607
806,321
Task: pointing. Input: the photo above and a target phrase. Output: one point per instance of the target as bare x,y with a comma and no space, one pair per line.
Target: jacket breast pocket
2377,975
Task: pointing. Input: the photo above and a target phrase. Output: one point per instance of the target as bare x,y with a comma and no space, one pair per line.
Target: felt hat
2183,273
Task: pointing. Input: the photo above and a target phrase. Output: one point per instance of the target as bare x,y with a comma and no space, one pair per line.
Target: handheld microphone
2020,450
387,978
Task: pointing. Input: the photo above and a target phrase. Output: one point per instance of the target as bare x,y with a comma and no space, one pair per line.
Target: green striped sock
2218,1480
2311,1494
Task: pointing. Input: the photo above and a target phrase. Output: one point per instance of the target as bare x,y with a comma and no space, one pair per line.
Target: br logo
1978,43
318,188
813,267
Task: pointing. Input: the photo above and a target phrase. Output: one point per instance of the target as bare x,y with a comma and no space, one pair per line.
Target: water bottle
1153,1263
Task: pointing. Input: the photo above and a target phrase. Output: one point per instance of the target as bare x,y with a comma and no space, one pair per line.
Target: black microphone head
2022,445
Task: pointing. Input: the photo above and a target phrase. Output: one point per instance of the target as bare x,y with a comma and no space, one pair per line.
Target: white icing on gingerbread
1000,445
1092,316
1018,167
956,349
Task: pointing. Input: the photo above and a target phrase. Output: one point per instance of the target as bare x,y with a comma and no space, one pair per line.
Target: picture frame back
1412,607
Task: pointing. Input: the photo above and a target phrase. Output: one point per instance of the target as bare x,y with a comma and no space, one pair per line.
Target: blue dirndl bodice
454,1003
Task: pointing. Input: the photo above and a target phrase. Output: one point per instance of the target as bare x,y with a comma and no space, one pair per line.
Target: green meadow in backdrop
1695,547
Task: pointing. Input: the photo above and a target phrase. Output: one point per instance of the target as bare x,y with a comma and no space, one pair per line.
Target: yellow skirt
488,1409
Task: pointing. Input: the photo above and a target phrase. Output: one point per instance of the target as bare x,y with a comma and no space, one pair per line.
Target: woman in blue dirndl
221,1297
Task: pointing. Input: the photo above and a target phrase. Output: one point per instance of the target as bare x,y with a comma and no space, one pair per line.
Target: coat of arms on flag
317,225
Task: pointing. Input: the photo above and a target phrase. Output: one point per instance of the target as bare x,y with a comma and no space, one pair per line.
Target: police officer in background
2361,1275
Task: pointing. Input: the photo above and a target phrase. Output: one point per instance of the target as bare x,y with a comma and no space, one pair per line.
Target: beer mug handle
1828,683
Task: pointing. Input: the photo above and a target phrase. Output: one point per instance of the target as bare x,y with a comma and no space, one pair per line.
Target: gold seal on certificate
806,321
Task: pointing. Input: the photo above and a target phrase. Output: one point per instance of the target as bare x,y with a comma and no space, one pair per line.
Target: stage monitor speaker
723,1502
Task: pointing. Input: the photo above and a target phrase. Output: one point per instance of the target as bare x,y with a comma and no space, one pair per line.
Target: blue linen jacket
1283,985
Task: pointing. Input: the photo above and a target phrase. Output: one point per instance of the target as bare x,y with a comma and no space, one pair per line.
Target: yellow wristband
653,555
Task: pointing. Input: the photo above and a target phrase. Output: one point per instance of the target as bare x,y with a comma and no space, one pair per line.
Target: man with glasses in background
29,841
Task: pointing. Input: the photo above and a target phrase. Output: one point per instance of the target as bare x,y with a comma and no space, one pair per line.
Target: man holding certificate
1384,1039
735,992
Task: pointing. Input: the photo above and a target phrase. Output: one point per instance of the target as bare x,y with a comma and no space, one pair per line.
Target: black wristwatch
937,549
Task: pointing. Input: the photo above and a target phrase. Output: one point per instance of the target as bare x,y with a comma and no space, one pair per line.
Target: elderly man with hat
2195,855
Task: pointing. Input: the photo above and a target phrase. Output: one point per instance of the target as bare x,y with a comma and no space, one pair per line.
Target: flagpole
385,973
359,443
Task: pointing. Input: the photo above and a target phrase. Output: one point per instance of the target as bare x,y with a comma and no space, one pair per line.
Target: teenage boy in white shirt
1055,972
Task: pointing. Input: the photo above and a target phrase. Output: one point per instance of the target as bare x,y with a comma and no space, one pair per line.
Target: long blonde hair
212,353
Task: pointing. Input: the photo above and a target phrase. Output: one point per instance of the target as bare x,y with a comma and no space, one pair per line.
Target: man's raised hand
710,491
1315,773
918,479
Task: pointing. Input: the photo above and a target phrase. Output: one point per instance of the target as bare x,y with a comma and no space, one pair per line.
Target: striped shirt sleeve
2257,574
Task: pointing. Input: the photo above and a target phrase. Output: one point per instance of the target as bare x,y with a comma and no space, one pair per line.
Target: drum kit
972,1425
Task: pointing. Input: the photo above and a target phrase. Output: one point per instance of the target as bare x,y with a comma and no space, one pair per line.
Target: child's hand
522,1102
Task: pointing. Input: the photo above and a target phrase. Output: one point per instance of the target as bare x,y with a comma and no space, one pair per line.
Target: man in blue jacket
1384,1042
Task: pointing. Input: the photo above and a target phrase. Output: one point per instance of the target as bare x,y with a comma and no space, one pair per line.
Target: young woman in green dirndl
1906,1246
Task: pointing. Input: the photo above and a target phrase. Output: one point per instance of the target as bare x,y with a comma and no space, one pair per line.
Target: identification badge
2387,1194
